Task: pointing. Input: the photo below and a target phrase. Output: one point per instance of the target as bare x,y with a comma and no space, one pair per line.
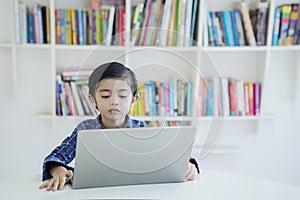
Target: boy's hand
191,173
58,180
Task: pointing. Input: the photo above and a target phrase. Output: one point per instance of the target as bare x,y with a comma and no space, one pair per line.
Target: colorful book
256,95
276,26
262,22
240,28
292,24
251,99
247,24
284,23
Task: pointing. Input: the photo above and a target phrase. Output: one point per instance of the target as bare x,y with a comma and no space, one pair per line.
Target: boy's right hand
59,176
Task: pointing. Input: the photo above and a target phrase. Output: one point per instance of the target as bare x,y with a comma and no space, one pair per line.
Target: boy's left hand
191,173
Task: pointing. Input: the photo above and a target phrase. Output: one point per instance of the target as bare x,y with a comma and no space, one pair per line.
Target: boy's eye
105,96
123,94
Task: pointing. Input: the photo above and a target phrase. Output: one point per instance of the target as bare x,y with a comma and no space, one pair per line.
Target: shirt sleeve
195,162
62,155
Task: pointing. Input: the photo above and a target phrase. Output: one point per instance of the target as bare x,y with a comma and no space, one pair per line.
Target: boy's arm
61,156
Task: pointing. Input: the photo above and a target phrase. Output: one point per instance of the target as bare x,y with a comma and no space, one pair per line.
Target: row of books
286,28
164,99
72,92
228,97
162,124
164,23
105,25
32,25
239,27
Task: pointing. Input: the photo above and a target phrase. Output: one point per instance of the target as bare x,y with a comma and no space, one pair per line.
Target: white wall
25,140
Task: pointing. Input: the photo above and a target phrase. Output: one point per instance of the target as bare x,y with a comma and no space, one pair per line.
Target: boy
112,91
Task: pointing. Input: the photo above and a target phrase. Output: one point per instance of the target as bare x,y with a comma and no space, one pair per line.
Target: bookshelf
272,66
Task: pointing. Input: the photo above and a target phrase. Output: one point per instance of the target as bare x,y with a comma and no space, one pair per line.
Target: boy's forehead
113,84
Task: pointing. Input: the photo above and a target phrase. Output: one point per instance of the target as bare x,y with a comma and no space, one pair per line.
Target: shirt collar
129,123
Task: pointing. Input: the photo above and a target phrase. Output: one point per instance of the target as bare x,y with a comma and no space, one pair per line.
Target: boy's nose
114,100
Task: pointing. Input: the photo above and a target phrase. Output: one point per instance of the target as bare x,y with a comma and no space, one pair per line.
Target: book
233,98
240,28
210,33
225,96
284,23
188,21
246,99
193,22
69,98
23,22
247,24
276,26
292,25
228,28
251,99
163,31
77,101
17,21
256,95
262,23
240,98
297,30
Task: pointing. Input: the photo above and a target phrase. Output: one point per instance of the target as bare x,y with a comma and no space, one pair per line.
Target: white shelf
5,45
143,118
285,48
237,48
33,46
263,64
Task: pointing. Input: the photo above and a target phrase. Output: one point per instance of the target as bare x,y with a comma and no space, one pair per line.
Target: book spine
228,28
247,24
58,106
240,29
234,29
17,21
262,23
297,29
284,23
276,27
251,99
36,23
292,24
30,28
256,91
193,23
241,97
246,99
23,23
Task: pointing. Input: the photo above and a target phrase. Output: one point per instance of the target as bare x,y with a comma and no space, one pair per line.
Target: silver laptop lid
107,157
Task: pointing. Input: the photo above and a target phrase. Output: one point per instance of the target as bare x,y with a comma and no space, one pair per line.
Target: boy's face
113,99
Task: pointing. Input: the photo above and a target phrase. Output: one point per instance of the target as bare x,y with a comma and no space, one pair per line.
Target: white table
209,185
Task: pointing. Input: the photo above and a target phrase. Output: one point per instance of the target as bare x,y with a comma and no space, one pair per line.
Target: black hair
112,70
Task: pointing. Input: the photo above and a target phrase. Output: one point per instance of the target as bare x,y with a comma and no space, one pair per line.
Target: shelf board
171,48
5,45
142,118
236,48
88,47
286,48
35,46
236,118
162,118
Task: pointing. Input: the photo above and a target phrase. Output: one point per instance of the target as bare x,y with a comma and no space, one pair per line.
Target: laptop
114,157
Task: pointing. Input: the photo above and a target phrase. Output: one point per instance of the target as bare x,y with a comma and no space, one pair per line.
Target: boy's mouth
113,110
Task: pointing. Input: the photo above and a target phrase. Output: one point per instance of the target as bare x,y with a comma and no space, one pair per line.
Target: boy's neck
113,123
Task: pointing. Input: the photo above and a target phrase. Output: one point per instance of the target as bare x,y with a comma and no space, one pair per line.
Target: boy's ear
93,101
134,100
